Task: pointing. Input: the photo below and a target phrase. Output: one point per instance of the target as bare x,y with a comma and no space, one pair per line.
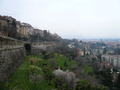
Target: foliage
99,87
96,66
85,85
79,60
117,83
107,78
19,80
43,52
88,69
65,87
82,85
49,55
48,76
35,78
52,62
26,73
68,77
33,69
58,82
104,51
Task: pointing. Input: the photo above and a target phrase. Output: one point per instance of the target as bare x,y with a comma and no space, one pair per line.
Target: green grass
88,69
19,80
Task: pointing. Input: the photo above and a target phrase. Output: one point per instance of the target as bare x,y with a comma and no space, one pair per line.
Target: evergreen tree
107,78
84,51
117,83
104,51
83,85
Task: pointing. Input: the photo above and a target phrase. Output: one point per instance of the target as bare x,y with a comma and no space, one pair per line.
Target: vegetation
88,69
58,72
20,79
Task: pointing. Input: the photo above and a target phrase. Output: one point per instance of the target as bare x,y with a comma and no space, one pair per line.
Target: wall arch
27,47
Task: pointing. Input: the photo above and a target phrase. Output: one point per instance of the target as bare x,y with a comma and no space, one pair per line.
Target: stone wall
36,48
9,43
9,61
12,53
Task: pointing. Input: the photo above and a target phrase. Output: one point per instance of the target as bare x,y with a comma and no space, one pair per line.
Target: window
103,58
112,61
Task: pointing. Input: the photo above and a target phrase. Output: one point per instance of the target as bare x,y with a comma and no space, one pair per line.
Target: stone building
114,60
18,26
3,26
25,30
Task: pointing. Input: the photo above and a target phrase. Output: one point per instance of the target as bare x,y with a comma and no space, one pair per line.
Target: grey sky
68,18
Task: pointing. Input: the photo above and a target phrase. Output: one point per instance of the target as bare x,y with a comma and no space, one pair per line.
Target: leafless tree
80,61
52,62
35,79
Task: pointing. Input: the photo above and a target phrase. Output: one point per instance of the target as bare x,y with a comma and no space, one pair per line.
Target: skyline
68,18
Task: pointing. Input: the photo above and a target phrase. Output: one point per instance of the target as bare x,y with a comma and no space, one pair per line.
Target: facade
25,30
114,60
30,30
110,51
101,51
18,26
41,33
3,26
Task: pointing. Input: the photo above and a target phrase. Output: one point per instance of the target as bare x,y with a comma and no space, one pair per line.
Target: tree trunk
34,84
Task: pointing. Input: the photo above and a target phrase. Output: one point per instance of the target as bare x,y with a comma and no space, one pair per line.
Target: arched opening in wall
28,48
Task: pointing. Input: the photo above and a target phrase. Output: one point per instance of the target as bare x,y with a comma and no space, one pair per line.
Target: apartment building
114,60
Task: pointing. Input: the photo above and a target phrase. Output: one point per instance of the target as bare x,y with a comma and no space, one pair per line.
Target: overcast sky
68,18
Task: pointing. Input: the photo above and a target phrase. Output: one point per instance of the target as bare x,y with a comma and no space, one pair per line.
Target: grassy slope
87,69
19,80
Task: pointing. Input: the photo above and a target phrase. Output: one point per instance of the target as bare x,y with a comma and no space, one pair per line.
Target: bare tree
52,62
35,79
68,77
80,61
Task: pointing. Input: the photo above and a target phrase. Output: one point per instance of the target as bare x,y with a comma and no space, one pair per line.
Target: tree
12,32
14,23
65,64
33,69
104,51
68,77
58,82
84,51
34,75
107,78
52,62
96,66
83,85
79,60
117,83
35,78
65,87
48,75
99,87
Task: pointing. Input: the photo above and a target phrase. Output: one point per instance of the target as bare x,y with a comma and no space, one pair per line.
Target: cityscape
59,45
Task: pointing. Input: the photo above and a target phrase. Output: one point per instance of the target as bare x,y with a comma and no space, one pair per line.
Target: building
110,51
114,60
18,26
106,65
25,30
3,26
101,51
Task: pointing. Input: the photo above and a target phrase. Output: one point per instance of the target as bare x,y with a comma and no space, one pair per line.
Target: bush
49,55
